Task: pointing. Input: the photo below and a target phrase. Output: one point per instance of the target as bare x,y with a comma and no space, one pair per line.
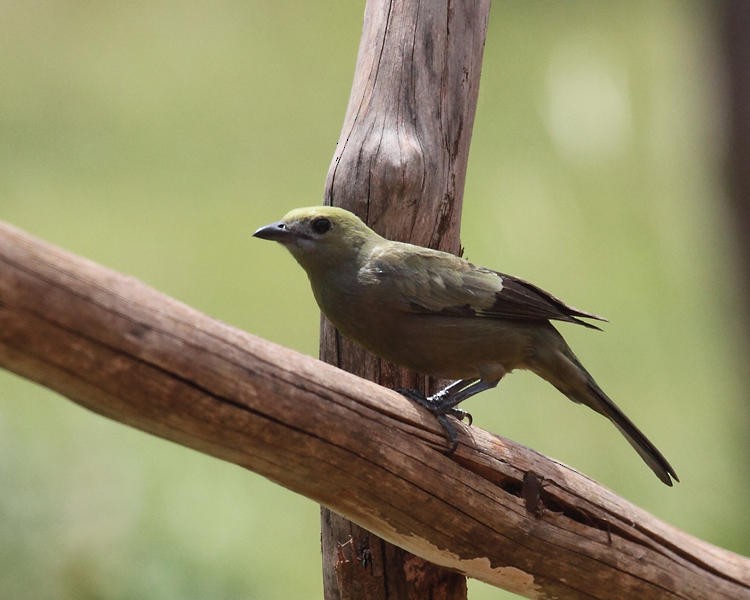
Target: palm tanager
440,315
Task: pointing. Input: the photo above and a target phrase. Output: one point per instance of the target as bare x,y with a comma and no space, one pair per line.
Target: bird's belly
448,347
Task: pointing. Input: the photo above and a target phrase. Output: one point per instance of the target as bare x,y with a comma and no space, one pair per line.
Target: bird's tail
600,402
579,386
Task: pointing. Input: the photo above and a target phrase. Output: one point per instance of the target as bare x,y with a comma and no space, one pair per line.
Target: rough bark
123,350
400,164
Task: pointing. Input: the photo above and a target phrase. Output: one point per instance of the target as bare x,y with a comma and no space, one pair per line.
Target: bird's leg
444,403
439,404
435,403
450,396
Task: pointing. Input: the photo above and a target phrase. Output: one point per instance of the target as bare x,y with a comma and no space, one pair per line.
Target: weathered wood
118,347
400,164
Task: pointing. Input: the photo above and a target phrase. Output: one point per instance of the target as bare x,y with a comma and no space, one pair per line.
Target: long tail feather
555,362
651,455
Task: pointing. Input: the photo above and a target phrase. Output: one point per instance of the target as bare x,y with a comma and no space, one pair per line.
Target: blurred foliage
154,137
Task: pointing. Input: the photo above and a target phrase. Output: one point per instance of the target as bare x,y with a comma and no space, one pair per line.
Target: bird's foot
437,406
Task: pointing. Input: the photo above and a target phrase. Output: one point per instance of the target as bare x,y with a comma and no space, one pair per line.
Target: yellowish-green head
319,236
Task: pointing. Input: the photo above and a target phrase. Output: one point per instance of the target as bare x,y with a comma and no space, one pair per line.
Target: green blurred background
154,137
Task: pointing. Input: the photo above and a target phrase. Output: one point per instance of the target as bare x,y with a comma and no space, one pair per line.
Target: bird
441,315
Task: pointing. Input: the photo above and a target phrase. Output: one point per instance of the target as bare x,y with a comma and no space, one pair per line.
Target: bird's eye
321,225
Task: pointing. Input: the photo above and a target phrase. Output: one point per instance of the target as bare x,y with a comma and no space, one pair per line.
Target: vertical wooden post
400,164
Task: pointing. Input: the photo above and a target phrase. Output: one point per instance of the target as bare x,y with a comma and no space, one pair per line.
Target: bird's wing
429,281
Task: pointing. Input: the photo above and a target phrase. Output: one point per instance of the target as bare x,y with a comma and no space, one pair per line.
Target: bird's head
319,236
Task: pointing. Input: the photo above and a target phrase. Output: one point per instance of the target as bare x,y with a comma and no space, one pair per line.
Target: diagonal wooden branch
121,349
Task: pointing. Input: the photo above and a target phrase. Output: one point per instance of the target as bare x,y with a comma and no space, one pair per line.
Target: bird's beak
278,232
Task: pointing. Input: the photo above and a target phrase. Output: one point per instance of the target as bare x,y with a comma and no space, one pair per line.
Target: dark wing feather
520,299
428,281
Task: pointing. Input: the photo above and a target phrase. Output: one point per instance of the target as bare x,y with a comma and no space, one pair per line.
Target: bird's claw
450,433
435,406
461,415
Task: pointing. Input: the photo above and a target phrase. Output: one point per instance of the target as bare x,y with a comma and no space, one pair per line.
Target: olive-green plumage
440,315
